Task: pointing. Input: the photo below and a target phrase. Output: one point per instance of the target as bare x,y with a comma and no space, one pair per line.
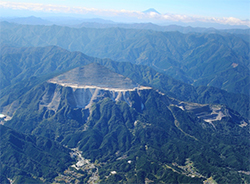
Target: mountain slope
90,75
52,61
199,59
143,136
30,159
36,61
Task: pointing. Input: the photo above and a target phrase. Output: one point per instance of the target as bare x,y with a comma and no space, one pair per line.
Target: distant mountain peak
94,76
150,10
31,20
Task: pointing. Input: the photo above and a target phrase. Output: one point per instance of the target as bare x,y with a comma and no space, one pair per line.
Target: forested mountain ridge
144,135
34,65
101,23
30,159
211,59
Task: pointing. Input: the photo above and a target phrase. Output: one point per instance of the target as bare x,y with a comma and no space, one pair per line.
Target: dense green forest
30,159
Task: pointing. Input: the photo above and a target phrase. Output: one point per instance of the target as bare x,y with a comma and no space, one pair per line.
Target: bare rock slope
94,76
88,84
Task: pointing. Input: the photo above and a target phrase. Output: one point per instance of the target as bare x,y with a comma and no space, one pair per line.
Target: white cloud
122,13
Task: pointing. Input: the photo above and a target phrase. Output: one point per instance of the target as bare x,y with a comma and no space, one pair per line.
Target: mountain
28,20
102,23
151,10
99,20
90,84
209,59
134,133
21,64
72,22
30,159
24,68
90,75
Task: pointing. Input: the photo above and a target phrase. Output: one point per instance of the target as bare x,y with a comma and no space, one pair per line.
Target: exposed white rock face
90,84
51,100
85,97
209,113
9,110
218,112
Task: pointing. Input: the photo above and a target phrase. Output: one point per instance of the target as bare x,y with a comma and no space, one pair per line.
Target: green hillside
30,159
211,59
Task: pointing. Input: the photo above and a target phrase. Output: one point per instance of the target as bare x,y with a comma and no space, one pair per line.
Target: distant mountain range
210,59
97,21
32,20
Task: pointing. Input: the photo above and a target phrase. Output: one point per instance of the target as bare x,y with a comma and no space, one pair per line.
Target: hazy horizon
194,13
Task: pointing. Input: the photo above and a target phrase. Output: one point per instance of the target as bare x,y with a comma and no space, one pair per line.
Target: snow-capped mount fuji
151,10
88,84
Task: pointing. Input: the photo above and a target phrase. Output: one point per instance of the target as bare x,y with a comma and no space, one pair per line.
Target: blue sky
234,12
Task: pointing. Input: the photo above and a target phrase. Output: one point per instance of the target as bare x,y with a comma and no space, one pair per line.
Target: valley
77,173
